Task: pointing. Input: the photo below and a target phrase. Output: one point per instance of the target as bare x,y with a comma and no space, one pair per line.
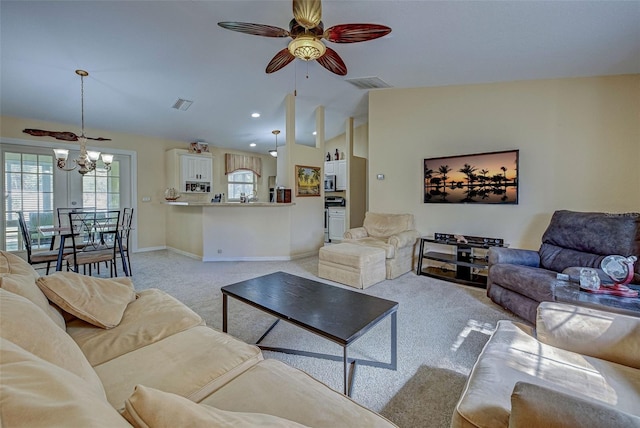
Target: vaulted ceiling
144,55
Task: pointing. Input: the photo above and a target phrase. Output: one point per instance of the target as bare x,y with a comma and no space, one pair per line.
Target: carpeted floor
442,328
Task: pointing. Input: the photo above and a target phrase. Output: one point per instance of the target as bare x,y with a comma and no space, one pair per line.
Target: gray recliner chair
520,279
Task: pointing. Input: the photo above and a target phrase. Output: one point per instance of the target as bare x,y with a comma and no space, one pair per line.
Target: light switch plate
380,176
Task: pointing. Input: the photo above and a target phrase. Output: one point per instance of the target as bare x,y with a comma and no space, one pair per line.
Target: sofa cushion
381,225
12,264
150,408
558,259
99,301
192,363
513,355
25,286
536,406
153,316
535,283
600,334
26,325
299,398
592,233
36,393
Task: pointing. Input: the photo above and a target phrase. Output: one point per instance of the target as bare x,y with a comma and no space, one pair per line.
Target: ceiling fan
307,30
66,135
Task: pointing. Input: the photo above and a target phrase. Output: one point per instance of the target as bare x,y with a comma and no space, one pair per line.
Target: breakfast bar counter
255,231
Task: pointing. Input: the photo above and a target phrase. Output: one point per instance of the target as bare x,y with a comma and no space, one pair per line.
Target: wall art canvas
307,180
483,178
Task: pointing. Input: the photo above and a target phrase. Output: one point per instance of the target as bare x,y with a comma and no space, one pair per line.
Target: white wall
579,145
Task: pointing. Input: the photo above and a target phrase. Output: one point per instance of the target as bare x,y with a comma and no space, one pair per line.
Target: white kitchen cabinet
337,224
195,168
330,167
341,175
339,169
189,173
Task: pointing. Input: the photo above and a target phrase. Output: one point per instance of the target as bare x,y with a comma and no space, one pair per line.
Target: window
241,181
101,189
28,181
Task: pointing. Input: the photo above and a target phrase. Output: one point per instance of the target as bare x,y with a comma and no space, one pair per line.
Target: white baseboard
148,249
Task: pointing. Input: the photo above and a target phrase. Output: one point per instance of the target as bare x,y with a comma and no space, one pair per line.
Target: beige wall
579,145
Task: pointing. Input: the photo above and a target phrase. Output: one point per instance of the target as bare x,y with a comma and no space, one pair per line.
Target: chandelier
86,162
307,48
274,152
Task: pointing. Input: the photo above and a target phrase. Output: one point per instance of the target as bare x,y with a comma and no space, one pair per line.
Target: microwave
329,183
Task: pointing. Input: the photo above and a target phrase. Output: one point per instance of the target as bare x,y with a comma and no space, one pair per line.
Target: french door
34,185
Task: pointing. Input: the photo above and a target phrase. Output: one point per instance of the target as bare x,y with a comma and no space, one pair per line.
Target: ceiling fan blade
307,13
332,62
59,135
98,139
255,29
352,33
279,61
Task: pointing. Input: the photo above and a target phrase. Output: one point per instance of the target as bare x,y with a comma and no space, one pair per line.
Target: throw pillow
35,393
24,324
25,286
151,408
12,264
98,301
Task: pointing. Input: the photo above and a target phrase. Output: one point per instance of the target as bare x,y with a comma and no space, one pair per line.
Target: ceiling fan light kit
307,48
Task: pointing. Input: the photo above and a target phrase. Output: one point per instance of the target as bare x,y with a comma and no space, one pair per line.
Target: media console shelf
468,264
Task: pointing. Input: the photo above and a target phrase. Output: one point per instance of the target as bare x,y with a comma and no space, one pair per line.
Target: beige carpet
442,328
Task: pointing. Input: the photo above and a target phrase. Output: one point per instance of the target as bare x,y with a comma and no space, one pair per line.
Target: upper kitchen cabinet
341,175
189,173
339,169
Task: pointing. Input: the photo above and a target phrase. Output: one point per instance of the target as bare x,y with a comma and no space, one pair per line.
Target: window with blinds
28,182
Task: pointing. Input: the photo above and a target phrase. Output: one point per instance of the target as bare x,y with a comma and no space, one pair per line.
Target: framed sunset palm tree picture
483,178
307,180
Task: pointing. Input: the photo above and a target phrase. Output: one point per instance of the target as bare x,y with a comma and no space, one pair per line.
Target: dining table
66,232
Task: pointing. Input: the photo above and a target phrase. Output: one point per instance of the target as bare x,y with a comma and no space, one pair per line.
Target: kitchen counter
227,204
232,231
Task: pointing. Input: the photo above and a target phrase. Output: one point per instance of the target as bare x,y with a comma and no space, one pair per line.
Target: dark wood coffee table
336,314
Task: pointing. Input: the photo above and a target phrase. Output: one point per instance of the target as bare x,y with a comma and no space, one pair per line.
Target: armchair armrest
537,406
513,256
404,239
600,334
356,233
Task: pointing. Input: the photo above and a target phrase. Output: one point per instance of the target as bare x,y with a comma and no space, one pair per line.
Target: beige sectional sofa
116,357
579,367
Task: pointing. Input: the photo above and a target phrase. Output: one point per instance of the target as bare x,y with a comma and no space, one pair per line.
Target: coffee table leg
224,313
346,370
394,341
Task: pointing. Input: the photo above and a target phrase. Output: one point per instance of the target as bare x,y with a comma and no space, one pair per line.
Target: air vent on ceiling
368,83
181,104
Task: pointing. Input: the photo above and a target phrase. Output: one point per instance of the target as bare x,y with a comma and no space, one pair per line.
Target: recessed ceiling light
255,114
252,145
314,133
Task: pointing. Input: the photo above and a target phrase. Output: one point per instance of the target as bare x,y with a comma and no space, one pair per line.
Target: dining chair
125,234
95,239
36,257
